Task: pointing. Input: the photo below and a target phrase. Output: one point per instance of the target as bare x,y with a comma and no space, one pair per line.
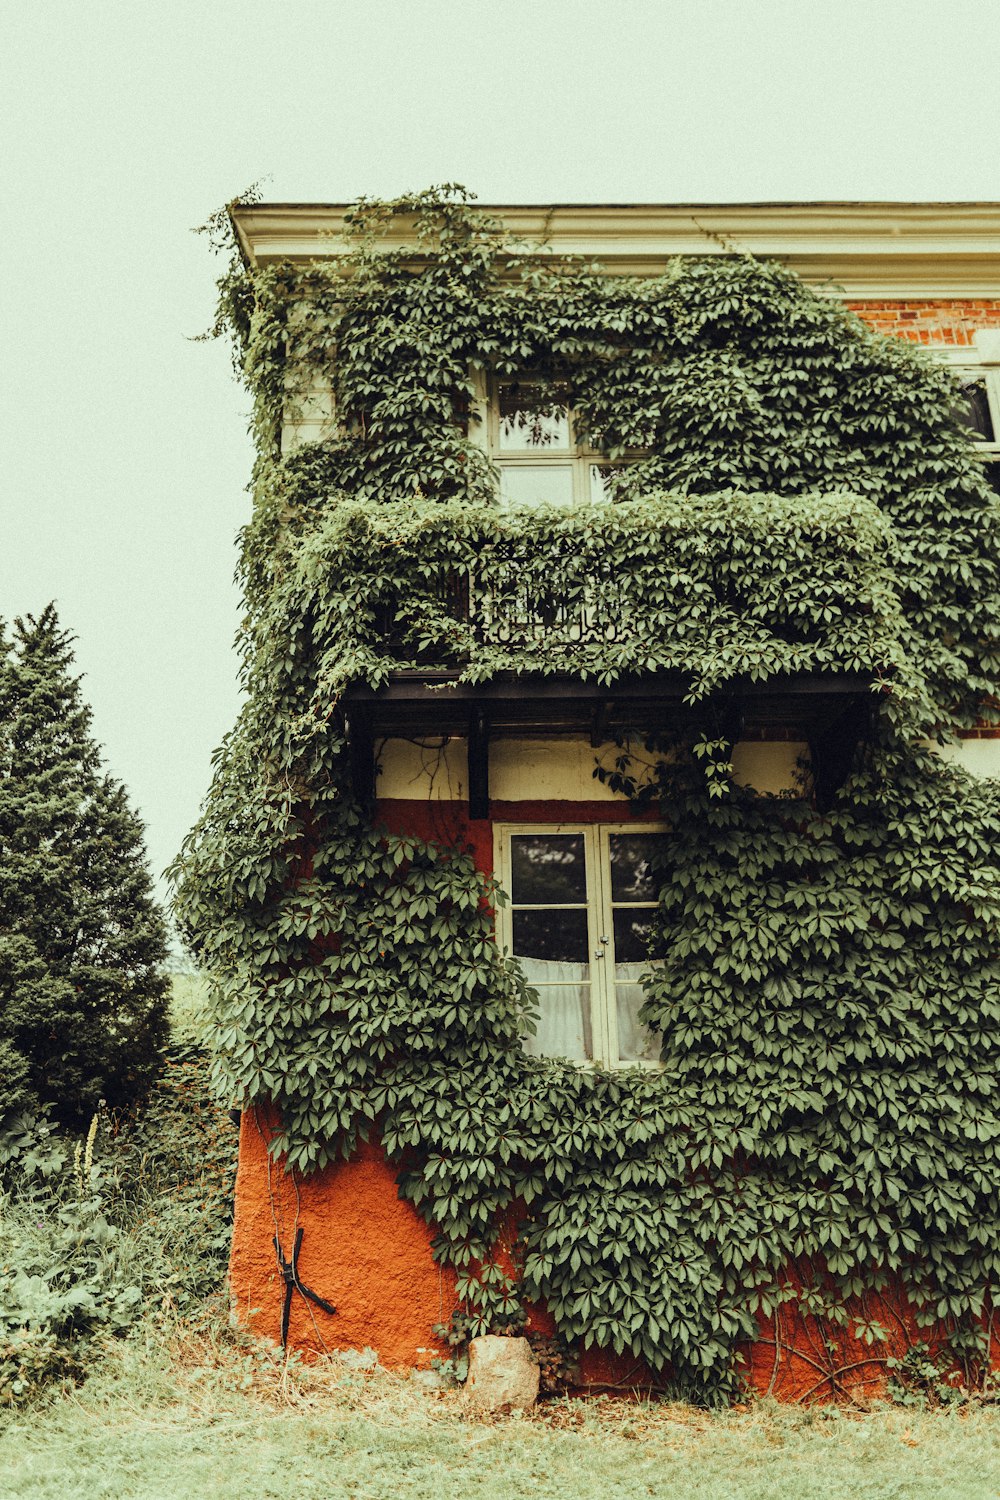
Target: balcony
447,620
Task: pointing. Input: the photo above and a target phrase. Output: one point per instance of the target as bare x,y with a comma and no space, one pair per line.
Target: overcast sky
125,447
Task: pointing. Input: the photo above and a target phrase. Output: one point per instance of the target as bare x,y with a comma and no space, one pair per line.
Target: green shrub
173,1169
133,1221
64,1265
31,1359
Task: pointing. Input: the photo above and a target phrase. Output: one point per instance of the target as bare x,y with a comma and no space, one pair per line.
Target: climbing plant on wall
827,1000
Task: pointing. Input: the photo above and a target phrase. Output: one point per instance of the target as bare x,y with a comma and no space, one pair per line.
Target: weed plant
131,1223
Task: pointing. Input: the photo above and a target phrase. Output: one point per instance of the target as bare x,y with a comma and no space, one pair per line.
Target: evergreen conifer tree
82,943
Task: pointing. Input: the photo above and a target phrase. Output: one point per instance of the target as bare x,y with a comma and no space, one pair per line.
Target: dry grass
187,1411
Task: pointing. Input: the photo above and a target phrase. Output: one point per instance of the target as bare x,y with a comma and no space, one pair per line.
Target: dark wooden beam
599,723
479,765
361,753
414,703
444,687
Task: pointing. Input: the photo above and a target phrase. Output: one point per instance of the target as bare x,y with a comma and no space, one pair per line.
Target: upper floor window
535,448
582,924
981,402
977,371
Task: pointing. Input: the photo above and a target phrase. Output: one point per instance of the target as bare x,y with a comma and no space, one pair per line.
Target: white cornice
870,250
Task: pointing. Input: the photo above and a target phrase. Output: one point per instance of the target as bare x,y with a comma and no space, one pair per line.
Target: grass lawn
191,1415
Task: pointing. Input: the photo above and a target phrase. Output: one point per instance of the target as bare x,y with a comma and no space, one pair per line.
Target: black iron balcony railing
445,620
522,615
713,587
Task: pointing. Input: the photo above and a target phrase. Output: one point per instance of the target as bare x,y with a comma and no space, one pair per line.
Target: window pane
636,935
547,869
602,477
523,430
564,1028
632,857
975,407
536,484
636,1043
554,937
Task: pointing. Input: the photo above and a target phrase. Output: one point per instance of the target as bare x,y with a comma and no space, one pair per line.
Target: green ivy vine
823,1121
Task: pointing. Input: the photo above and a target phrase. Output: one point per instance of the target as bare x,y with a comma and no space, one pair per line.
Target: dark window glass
532,415
634,872
975,409
635,936
557,936
547,869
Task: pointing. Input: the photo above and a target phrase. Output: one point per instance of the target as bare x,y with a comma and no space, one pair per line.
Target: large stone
503,1374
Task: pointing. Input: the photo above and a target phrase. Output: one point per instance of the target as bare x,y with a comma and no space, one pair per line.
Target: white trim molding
867,250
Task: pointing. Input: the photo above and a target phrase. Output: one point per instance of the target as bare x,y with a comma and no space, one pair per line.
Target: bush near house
124,1227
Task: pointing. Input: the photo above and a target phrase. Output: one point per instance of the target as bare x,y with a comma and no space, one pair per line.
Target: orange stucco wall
370,1254
363,1249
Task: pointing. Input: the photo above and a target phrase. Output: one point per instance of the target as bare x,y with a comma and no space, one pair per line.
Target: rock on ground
503,1374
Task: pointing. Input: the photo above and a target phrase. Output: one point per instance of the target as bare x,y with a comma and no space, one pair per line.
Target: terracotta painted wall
363,1249
370,1254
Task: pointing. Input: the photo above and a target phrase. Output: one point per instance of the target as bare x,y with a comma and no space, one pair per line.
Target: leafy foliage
82,995
726,373
133,1221
715,588
61,1279
822,1121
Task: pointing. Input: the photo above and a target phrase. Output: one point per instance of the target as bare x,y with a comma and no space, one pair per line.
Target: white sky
125,448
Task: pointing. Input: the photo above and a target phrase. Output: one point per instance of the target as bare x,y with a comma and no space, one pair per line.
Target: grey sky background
125,447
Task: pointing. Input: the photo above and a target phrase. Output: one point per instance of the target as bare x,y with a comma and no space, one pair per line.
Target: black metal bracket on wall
732,720
599,723
833,749
290,1272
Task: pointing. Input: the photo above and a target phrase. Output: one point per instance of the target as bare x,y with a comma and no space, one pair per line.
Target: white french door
581,922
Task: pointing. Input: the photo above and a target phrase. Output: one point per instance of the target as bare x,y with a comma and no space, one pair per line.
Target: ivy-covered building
602,885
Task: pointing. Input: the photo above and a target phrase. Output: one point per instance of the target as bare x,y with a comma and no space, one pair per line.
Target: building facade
532,771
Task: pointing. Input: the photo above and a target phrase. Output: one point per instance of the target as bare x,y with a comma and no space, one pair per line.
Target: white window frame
580,459
981,364
600,923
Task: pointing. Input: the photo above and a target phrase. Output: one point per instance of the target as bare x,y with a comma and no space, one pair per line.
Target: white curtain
636,1043
564,1010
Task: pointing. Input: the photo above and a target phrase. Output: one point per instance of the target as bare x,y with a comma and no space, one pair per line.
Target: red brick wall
941,321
